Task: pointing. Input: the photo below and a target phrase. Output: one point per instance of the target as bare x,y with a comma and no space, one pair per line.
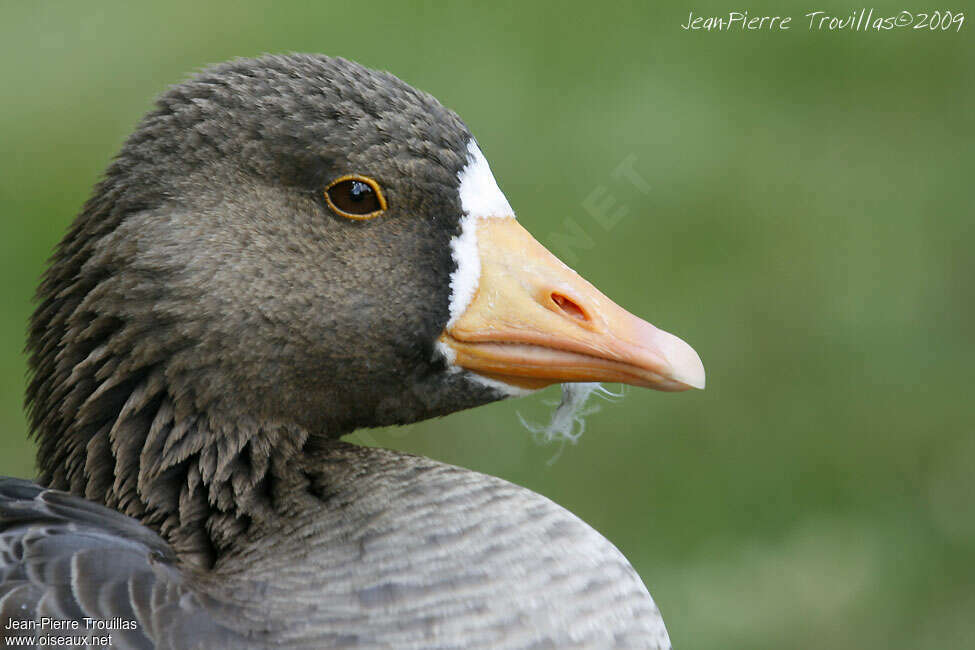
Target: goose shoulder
406,551
395,551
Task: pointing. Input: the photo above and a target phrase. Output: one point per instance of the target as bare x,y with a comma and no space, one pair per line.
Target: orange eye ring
354,196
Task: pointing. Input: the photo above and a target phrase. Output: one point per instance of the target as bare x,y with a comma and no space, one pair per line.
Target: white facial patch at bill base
480,198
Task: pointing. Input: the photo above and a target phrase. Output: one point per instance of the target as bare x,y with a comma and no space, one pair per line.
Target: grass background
809,230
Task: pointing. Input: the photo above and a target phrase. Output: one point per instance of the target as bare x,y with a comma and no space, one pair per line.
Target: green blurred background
809,230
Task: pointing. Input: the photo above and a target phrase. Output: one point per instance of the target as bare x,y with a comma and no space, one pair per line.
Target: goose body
287,249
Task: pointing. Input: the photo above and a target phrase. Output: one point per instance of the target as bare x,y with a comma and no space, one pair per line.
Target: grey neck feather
197,478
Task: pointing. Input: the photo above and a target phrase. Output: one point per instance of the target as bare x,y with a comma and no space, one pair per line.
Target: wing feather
67,558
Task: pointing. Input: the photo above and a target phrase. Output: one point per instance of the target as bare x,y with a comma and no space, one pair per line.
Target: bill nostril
569,307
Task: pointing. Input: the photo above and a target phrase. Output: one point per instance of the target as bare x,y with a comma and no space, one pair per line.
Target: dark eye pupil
359,191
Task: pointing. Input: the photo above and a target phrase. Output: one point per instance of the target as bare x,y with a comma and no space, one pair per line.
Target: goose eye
355,197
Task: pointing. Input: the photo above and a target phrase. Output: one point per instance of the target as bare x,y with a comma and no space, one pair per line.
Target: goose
287,249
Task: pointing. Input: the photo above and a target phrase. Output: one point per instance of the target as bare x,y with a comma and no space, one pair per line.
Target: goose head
301,244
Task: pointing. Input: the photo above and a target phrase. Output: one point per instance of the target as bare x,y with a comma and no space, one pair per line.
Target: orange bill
533,321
